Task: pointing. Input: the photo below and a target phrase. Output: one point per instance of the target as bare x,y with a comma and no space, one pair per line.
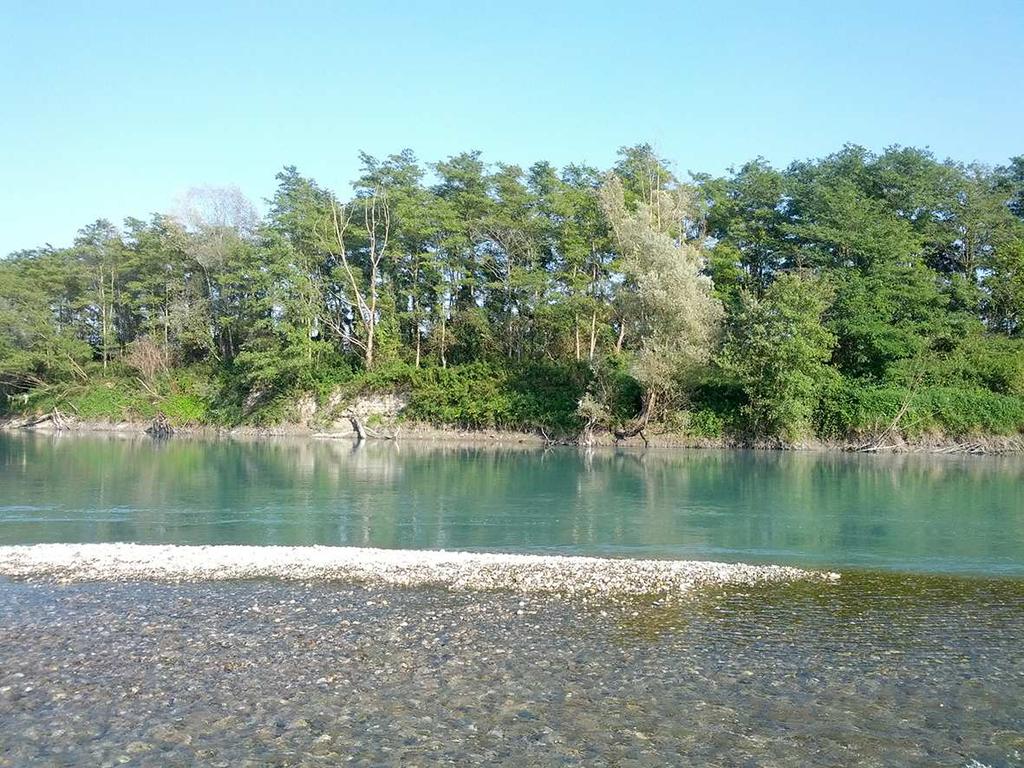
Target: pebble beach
528,574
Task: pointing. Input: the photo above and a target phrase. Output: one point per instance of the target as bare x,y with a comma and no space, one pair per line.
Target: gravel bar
401,568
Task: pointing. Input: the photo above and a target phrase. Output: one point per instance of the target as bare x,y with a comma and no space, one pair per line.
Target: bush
483,395
853,409
722,401
99,400
184,409
705,423
992,362
148,357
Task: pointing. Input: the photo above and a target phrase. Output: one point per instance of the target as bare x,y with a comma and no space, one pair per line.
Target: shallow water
927,514
876,670
913,658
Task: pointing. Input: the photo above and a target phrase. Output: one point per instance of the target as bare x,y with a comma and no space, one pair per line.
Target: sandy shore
455,570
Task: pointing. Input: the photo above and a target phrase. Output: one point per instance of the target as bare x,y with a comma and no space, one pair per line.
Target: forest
848,298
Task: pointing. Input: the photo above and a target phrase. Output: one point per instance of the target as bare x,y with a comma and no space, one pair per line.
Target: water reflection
921,513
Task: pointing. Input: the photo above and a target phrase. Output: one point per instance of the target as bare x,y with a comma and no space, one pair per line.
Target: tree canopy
746,300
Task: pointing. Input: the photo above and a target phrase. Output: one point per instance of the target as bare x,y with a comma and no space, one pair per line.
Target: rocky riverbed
867,670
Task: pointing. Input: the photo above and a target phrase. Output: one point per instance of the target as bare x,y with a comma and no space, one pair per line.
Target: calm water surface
930,514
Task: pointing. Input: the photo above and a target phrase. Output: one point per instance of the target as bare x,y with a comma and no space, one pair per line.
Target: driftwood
976,447
357,425
586,435
54,417
548,440
160,427
639,424
362,431
34,422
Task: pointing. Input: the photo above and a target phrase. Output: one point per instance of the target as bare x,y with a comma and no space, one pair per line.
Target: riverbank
882,443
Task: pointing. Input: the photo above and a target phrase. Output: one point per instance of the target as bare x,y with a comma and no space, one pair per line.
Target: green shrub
184,409
717,407
483,395
854,409
101,400
705,423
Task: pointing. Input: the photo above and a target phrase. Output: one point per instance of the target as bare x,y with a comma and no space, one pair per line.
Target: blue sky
115,108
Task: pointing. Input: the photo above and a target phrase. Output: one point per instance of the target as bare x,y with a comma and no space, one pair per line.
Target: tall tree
672,315
778,350
745,216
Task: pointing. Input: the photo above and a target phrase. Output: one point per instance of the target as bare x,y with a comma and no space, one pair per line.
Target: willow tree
670,315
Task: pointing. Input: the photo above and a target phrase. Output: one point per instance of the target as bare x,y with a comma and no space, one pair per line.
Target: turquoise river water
915,513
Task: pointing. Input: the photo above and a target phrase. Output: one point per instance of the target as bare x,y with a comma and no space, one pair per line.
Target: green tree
745,216
778,351
890,316
671,312
37,345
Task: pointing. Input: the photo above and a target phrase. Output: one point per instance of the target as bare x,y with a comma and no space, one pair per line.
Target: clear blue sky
117,108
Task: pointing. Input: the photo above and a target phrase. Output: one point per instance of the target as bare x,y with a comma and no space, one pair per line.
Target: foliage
766,303
852,409
671,311
485,395
889,314
778,352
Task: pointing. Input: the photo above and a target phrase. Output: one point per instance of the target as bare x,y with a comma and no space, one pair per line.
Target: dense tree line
855,293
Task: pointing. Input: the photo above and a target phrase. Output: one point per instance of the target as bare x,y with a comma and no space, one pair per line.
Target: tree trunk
576,323
593,334
639,424
103,316
444,358
369,346
371,318
416,321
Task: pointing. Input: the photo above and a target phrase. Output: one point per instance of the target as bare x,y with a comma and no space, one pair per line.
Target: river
913,657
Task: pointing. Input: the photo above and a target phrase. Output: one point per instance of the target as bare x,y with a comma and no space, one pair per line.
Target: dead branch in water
640,423
362,431
160,427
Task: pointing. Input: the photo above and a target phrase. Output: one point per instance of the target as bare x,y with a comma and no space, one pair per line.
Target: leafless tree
213,223
376,215
148,357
